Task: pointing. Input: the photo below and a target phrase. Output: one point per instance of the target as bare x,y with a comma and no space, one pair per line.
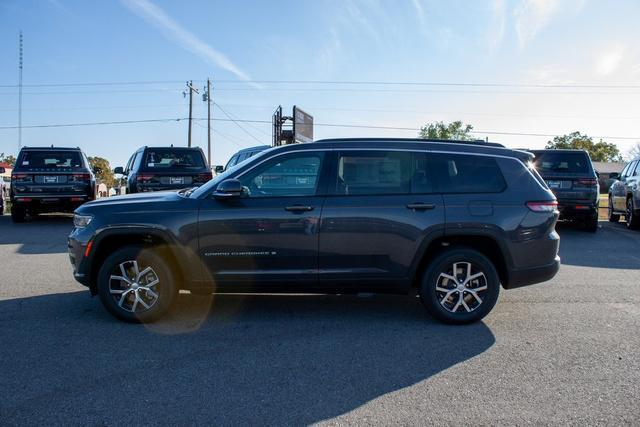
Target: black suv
452,220
572,178
164,168
51,179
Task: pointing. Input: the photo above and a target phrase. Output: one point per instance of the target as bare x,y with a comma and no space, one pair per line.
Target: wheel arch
109,240
485,244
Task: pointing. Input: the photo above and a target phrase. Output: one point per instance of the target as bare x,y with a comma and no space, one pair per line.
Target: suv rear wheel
613,217
136,285
460,286
633,220
18,213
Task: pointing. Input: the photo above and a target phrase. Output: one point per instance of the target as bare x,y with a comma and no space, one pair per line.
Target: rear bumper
577,208
67,203
531,276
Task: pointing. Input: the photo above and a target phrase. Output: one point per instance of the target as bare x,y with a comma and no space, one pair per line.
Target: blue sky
242,44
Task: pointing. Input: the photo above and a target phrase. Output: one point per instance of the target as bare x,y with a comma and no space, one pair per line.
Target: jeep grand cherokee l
452,220
50,179
164,168
571,177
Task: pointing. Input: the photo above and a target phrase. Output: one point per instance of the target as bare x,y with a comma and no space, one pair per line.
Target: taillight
542,206
21,177
587,182
145,178
79,177
203,177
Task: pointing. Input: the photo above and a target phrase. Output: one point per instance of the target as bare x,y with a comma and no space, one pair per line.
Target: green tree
600,151
9,159
103,171
454,130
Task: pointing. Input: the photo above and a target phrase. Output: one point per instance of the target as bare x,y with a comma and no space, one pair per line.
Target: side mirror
2,170
119,170
228,189
218,169
597,174
614,175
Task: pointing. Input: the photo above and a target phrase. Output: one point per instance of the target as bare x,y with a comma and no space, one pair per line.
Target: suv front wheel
136,285
460,286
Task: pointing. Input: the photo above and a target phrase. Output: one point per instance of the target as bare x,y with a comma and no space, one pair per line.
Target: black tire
443,264
613,217
165,289
18,213
591,224
632,217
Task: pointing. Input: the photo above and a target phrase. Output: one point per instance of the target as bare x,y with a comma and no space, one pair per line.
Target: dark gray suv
624,195
451,220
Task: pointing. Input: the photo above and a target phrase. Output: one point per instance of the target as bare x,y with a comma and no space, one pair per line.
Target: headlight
81,221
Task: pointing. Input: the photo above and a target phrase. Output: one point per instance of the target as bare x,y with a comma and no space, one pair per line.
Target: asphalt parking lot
566,351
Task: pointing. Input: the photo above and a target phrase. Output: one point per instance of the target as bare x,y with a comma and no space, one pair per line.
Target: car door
631,184
268,236
379,209
619,188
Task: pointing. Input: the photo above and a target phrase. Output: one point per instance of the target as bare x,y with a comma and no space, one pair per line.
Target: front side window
290,175
381,172
465,173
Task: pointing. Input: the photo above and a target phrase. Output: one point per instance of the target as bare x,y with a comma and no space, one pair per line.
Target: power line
339,125
237,123
346,82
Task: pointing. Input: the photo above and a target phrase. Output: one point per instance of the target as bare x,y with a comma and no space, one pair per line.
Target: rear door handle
419,206
298,208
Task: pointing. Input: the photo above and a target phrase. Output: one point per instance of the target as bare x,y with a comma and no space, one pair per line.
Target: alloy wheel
461,287
132,289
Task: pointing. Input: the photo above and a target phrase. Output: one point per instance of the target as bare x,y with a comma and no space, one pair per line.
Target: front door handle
298,208
419,206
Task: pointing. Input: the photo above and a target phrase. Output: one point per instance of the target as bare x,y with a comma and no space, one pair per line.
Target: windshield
173,158
226,174
561,162
49,159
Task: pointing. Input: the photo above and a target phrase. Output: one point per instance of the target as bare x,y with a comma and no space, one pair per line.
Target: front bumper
77,250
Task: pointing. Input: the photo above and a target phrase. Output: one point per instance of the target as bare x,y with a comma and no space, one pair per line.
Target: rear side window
232,162
382,172
549,162
465,173
173,159
50,159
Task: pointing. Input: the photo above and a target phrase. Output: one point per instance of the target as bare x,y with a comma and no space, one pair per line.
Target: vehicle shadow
43,234
612,246
231,359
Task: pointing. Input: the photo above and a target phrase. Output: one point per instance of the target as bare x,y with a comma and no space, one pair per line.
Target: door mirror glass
218,169
227,189
614,175
118,170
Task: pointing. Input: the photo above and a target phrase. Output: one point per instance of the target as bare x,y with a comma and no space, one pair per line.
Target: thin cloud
610,61
189,41
498,23
531,16
420,10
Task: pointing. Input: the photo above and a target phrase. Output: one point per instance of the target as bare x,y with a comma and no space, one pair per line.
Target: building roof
608,167
5,165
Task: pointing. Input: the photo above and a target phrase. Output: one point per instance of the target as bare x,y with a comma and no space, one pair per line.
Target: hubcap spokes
461,288
132,289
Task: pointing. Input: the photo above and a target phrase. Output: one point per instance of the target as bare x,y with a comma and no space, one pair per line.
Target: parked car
453,221
624,195
571,177
164,168
2,192
50,179
241,156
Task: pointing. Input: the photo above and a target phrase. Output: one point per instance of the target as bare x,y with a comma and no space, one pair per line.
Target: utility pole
20,95
191,90
207,98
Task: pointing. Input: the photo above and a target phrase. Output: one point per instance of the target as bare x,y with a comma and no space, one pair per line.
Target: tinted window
50,159
629,170
549,162
173,158
381,172
232,161
637,172
462,173
289,175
